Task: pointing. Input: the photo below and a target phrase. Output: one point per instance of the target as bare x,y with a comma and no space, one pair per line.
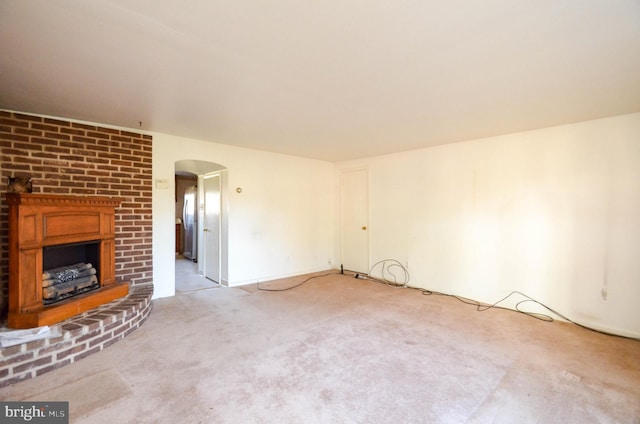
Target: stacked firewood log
61,283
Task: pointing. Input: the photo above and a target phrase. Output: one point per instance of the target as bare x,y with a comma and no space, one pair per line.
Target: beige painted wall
279,225
554,213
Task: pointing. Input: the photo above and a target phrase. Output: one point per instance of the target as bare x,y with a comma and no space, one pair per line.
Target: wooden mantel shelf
41,220
59,199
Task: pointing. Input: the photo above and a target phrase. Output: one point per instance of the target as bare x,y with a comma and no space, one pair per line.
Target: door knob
206,229
364,227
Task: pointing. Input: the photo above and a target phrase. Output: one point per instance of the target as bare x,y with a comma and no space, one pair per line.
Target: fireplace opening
69,270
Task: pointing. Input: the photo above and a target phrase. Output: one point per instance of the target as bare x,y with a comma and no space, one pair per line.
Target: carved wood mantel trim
40,220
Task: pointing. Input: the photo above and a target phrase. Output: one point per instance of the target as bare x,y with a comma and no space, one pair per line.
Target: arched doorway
201,244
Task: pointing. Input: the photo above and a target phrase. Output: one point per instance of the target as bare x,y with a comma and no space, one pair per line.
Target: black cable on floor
297,285
480,307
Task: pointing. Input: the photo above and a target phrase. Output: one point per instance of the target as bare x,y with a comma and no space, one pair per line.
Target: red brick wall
71,158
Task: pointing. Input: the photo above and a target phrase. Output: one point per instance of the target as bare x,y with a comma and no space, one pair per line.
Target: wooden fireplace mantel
40,220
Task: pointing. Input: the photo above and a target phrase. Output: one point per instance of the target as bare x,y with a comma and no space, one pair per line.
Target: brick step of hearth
81,336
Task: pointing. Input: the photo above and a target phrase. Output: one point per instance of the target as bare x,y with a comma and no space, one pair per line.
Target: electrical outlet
604,293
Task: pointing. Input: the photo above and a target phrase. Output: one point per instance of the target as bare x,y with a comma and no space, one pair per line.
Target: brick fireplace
76,159
70,158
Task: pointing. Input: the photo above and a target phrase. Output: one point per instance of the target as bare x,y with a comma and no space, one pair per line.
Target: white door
355,220
211,230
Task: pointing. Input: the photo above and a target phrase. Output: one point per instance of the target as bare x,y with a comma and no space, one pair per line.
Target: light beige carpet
341,350
87,395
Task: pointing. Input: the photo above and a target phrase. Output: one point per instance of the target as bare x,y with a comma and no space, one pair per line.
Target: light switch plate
162,183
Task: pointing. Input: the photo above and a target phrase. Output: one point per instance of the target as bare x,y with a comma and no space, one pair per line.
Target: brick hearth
81,336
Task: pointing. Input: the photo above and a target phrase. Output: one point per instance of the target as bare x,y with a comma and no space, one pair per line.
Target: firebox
69,270
61,257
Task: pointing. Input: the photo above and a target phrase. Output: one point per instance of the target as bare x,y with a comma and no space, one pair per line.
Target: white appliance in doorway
190,223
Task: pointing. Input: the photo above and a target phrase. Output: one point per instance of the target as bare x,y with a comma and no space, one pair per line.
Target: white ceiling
328,79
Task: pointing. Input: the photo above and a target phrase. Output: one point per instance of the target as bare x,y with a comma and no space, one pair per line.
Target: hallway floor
188,279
